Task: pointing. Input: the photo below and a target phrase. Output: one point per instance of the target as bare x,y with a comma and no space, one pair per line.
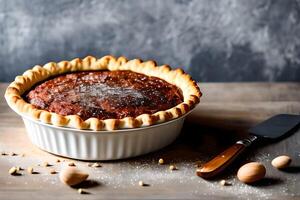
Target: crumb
81,191
46,164
96,165
161,161
141,183
224,183
72,164
13,171
172,167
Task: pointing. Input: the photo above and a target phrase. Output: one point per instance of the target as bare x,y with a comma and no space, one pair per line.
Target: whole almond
281,162
72,176
13,171
251,172
96,165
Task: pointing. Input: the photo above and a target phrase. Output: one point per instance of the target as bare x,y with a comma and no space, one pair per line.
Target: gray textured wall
214,40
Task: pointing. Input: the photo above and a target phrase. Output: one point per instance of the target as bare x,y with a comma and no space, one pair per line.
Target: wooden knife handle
221,161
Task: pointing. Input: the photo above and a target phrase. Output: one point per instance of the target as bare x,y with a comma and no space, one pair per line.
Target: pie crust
22,84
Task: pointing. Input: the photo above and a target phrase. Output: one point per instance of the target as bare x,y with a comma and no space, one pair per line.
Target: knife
273,128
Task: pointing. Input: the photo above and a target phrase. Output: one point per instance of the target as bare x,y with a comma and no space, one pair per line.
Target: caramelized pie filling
105,94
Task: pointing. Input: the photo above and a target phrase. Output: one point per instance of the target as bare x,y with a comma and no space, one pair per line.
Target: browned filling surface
105,94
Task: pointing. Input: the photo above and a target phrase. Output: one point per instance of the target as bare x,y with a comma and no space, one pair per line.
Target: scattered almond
251,172
224,183
30,170
161,161
80,191
72,176
13,171
281,162
96,165
173,167
141,183
72,164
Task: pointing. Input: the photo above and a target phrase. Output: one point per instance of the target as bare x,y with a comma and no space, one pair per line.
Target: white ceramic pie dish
94,138
101,145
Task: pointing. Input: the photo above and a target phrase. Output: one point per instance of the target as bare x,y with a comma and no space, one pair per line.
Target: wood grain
220,162
225,112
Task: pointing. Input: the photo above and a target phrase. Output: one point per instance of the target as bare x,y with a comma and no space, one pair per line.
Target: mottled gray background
214,40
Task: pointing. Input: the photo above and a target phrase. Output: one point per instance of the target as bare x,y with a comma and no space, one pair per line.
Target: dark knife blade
276,127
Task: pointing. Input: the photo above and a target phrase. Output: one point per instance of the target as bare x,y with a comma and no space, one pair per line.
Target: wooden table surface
224,114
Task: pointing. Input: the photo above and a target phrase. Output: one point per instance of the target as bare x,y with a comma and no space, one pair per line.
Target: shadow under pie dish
102,109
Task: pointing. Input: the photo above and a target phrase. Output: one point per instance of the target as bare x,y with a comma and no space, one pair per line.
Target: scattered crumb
224,183
72,164
141,183
52,171
46,164
23,155
172,167
57,160
96,165
89,164
3,154
13,154
13,171
80,191
161,161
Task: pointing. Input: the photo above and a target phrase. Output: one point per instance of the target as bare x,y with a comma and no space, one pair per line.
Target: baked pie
103,94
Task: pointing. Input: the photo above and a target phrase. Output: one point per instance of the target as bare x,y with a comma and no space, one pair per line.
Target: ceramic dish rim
124,130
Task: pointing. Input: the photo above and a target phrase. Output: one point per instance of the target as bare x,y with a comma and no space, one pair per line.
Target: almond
96,165
251,172
13,171
161,161
72,176
281,162
172,167
141,183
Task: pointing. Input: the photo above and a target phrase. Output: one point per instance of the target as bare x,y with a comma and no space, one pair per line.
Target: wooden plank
249,92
